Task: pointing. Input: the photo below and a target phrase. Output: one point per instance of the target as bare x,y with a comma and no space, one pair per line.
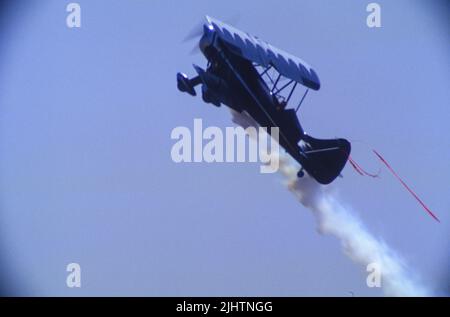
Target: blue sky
86,173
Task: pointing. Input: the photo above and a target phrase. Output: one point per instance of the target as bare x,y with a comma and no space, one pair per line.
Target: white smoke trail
358,244
336,219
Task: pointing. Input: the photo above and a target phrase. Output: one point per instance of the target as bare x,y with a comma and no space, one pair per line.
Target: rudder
324,159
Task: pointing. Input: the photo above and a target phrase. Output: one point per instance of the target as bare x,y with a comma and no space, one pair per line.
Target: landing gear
300,173
212,95
209,97
185,84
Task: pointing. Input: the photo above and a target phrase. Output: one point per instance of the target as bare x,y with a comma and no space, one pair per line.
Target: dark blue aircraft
240,74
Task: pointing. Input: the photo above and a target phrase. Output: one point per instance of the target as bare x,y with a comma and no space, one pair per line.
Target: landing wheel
185,85
300,173
209,98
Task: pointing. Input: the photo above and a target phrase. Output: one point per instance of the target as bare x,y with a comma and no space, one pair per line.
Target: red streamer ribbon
406,186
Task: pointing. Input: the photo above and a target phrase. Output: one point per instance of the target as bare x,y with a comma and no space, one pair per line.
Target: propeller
234,19
197,31
195,50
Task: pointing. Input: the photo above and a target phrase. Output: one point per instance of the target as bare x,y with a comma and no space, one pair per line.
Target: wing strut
301,101
276,82
292,91
250,92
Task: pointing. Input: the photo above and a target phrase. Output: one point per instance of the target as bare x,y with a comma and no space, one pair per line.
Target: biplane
247,74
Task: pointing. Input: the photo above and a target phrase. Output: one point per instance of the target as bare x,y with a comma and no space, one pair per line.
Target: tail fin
324,159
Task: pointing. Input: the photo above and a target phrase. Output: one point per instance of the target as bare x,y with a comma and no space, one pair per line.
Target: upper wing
258,51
